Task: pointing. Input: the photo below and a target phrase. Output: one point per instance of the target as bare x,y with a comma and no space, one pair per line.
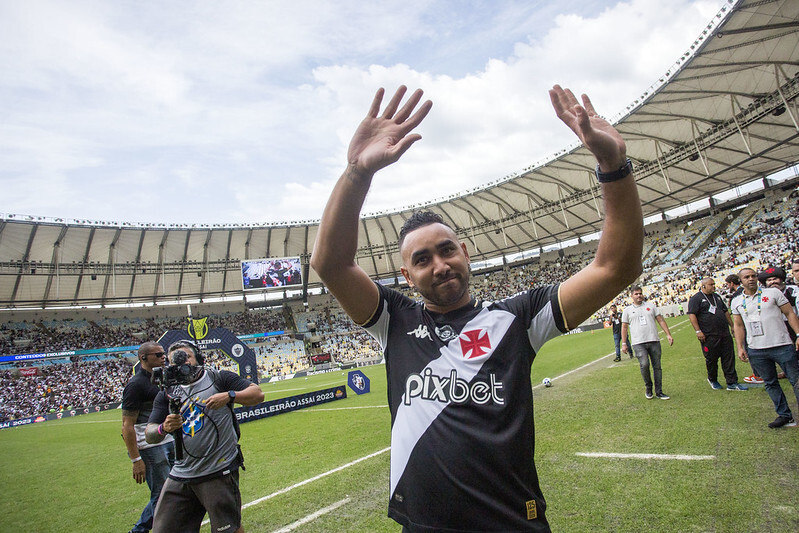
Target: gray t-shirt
209,437
641,318
762,318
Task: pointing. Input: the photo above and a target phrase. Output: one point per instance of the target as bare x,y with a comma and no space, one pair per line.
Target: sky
241,112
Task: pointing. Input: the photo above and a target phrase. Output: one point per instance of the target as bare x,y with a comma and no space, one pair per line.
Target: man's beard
448,298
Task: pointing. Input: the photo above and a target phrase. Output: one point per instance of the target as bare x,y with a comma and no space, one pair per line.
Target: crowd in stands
676,257
49,336
61,387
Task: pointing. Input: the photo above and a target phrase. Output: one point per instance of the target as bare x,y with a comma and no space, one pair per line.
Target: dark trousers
715,348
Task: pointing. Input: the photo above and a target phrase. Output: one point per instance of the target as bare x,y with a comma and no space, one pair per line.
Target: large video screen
271,273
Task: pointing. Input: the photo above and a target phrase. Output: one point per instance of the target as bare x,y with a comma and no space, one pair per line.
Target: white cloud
234,114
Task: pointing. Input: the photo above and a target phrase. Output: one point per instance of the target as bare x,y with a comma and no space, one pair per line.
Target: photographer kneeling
196,403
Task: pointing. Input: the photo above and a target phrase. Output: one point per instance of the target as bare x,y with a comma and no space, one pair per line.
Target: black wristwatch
232,395
606,177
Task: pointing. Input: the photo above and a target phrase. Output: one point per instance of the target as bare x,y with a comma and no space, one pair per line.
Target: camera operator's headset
185,343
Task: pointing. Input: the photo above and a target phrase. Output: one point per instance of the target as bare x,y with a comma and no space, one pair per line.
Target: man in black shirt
458,369
615,322
712,322
151,462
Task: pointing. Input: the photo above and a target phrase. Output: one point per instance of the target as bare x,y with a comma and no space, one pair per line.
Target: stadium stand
678,253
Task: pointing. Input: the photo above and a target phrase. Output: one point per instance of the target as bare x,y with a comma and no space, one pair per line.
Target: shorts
182,506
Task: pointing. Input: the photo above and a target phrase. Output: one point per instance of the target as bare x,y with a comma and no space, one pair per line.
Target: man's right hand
172,422
624,347
700,336
742,355
139,469
380,141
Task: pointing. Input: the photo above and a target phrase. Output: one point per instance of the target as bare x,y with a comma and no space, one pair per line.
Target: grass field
74,475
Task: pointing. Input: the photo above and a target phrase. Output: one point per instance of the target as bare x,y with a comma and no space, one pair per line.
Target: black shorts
182,506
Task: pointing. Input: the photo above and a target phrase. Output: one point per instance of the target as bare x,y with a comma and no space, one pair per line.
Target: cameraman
198,402
151,462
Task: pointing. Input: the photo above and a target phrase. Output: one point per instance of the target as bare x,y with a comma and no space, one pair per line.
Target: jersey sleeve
130,399
625,316
540,310
229,381
160,409
734,306
390,301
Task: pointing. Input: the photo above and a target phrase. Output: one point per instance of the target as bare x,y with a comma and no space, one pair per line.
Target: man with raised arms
458,369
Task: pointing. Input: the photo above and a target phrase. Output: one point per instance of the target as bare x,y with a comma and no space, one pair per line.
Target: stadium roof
724,115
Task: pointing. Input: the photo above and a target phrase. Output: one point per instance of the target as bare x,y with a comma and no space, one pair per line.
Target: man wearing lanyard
712,322
639,319
757,315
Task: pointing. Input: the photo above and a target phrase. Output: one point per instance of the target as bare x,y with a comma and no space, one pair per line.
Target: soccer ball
547,382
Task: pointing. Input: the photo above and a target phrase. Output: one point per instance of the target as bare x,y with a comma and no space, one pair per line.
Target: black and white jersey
459,391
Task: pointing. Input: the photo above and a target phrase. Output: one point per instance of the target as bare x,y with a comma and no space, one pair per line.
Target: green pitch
74,475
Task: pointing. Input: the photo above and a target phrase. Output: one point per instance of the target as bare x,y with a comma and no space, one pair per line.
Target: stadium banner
221,339
291,403
59,415
67,353
260,335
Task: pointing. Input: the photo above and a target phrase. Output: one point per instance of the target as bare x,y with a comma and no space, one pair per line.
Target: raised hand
596,133
381,140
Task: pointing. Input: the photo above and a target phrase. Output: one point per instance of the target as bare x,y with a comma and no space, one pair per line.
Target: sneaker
737,386
648,395
662,396
714,384
781,421
753,379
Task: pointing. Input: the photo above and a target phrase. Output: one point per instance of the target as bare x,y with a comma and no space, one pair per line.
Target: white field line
679,324
311,479
669,456
313,516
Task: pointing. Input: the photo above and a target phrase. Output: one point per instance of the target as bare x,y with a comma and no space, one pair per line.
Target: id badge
642,320
712,310
757,328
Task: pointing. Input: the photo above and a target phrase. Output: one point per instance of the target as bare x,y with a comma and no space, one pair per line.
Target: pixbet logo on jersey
452,389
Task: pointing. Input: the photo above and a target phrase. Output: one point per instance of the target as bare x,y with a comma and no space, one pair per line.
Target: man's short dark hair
417,220
635,288
146,346
733,278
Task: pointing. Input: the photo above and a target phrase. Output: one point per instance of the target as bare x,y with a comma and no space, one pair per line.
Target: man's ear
465,251
407,277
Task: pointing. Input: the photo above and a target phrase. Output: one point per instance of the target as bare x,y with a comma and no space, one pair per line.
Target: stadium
715,146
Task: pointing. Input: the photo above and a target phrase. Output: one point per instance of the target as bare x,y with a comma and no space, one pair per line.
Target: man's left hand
595,132
671,340
218,400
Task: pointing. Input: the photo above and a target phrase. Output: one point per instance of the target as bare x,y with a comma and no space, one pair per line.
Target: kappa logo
475,342
421,332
